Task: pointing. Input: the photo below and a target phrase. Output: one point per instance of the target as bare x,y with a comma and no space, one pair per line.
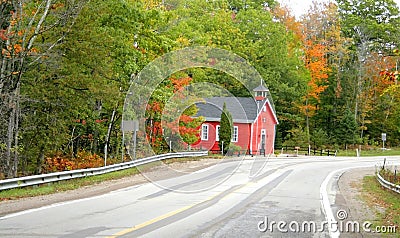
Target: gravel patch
349,198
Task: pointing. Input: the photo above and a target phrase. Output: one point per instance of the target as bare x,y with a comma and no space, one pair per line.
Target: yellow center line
149,222
154,220
170,214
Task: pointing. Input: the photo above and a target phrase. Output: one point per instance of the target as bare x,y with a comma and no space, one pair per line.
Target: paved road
240,198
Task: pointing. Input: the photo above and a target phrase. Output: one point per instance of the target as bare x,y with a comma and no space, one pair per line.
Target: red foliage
83,160
2,35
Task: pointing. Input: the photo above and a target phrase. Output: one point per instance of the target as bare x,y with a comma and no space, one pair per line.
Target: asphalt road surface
252,197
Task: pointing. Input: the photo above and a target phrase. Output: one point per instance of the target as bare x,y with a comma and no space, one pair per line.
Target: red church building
254,122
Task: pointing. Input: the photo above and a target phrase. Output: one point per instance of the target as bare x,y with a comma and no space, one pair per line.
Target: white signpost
383,140
127,126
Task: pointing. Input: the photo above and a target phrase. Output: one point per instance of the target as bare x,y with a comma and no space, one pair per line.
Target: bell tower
260,92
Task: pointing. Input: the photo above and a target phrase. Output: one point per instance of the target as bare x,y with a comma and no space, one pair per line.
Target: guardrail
71,174
387,184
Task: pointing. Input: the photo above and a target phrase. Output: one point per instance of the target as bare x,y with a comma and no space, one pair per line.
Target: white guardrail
79,173
386,184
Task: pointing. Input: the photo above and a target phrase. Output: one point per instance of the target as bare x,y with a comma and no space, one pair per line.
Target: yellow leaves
368,122
308,110
151,4
183,41
392,90
13,22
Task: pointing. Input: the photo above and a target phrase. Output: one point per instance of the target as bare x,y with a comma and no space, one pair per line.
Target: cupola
261,92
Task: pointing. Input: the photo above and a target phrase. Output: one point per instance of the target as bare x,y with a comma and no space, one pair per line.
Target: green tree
346,131
225,129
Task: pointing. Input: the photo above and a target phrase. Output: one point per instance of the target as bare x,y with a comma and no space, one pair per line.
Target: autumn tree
27,36
316,63
170,115
309,40
373,26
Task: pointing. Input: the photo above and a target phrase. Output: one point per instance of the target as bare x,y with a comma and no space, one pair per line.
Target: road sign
131,125
128,126
384,136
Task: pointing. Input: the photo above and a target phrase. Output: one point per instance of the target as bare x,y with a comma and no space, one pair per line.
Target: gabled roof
243,110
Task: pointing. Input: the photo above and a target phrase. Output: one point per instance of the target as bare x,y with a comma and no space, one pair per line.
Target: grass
72,184
370,152
377,196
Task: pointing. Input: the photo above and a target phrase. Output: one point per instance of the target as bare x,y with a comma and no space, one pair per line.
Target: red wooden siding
266,121
249,134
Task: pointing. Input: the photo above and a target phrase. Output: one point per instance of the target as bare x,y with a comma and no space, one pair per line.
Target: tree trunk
108,136
16,133
39,161
307,124
10,138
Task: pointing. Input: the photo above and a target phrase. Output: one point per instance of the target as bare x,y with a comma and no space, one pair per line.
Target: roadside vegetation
66,185
72,184
385,203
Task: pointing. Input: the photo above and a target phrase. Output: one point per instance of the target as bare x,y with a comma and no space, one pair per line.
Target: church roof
242,109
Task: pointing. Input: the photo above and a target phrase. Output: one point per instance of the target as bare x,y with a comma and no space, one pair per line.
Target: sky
300,7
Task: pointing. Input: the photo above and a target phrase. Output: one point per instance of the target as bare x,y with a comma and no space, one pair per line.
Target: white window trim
205,138
217,132
263,132
235,128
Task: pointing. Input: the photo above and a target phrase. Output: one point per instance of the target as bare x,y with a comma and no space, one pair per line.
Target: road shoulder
349,198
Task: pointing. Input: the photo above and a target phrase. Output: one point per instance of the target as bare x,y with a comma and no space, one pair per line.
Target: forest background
66,66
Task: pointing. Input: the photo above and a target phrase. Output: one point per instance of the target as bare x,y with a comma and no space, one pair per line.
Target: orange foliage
285,16
180,83
17,48
317,65
57,164
83,160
